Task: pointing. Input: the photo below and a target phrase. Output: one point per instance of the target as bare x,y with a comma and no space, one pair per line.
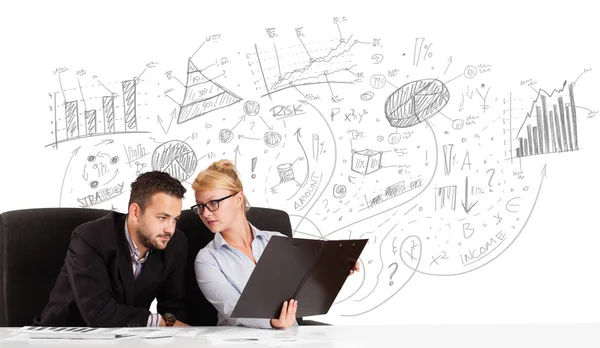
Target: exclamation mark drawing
254,166
426,162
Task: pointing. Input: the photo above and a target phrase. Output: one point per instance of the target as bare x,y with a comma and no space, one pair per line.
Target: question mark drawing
491,176
393,272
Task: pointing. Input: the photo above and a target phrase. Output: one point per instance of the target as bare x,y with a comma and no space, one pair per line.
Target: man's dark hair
150,183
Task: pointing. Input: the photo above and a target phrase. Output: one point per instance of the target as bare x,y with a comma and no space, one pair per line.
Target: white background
550,274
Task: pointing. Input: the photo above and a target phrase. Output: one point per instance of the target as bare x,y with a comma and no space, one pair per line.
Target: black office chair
34,242
201,312
33,245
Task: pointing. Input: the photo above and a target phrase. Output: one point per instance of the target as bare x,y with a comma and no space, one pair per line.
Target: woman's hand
356,268
287,317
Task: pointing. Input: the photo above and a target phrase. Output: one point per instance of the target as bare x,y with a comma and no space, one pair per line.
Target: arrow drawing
160,121
245,137
470,95
298,136
270,128
114,176
465,203
237,152
243,118
449,62
105,141
73,154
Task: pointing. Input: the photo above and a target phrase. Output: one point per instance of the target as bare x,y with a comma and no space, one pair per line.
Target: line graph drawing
304,65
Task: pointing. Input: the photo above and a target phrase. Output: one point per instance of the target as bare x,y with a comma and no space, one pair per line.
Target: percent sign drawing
419,47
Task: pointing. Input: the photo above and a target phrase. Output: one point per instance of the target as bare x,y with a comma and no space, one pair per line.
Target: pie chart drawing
176,158
416,102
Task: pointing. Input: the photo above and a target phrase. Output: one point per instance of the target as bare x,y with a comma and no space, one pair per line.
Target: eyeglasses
210,205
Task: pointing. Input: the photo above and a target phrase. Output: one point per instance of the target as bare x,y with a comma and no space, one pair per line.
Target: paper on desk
264,337
235,335
68,333
87,333
23,337
161,332
146,332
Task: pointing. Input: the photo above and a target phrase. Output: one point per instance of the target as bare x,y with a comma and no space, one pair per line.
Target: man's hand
356,268
177,322
287,316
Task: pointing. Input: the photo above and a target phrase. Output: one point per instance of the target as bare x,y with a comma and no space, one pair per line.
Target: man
115,266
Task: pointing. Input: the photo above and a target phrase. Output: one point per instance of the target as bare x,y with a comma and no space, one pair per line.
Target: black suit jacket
96,286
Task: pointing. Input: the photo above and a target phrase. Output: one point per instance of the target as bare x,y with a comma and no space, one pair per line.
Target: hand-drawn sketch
333,67
339,191
95,176
176,158
93,109
445,197
366,161
251,108
134,155
272,139
225,135
203,95
416,102
553,130
327,135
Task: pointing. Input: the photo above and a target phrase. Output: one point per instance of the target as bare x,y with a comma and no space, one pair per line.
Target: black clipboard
307,270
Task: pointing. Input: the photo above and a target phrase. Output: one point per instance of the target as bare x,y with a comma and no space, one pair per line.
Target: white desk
442,336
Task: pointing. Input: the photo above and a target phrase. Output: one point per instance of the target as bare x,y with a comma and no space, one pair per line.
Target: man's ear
135,211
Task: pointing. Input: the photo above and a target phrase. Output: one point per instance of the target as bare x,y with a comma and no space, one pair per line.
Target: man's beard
147,240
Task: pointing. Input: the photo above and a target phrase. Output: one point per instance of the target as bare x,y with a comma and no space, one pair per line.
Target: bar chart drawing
445,198
98,114
135,154
129,105
108,107
550,127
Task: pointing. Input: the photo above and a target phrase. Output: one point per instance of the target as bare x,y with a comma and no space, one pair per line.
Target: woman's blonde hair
220,175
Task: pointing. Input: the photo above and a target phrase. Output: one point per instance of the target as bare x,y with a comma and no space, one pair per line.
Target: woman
224,266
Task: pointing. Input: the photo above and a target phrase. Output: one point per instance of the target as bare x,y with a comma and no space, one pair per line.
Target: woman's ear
239,197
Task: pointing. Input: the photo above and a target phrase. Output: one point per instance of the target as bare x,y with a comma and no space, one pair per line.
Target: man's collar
133,249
